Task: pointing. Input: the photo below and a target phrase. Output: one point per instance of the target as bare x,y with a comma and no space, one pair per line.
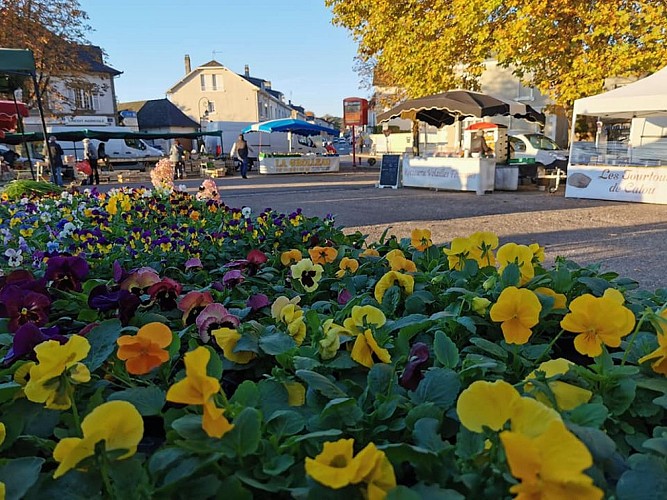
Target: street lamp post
202,116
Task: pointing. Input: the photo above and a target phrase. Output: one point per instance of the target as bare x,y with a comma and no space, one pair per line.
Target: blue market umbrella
298,127
291,126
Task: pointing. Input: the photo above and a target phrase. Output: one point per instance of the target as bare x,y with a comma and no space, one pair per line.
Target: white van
128,153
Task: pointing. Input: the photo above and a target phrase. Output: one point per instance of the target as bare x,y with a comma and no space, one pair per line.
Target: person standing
90,154
176,158
102,155
57,159
241,150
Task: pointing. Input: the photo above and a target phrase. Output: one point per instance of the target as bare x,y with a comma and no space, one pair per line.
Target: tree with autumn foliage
564,48
53,30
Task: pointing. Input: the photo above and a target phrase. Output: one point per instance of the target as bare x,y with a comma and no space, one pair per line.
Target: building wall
234,99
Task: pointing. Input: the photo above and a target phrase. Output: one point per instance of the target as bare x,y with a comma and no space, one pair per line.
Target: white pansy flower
24,201
147,193
15,257
64,195
246,211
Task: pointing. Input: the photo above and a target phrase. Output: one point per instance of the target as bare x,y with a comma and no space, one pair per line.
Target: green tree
565,48
54,30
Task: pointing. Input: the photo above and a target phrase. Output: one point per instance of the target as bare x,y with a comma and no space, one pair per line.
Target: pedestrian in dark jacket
90,154
56,153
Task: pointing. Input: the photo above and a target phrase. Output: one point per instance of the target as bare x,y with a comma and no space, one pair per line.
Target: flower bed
157,345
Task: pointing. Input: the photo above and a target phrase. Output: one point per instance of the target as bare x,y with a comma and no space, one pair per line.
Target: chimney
188,67
247,70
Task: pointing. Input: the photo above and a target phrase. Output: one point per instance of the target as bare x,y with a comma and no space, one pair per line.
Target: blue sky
292,43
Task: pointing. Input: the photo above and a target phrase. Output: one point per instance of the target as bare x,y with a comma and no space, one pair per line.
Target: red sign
355,111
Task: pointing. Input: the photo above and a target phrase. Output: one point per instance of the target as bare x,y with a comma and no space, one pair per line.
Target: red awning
481,126
8,116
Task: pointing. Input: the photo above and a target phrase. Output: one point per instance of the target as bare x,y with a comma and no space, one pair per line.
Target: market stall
460,169
634,170
288,162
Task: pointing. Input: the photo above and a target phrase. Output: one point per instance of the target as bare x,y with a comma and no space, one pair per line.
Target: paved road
626,237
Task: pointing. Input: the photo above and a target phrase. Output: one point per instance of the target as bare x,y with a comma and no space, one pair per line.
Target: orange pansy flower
145,351
323,255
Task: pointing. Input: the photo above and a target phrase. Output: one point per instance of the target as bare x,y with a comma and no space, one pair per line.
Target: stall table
459,174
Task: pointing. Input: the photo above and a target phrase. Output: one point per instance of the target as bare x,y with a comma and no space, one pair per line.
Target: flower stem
548,348
103,461
75,413
634,335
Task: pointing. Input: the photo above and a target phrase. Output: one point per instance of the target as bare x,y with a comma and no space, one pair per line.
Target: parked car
539,147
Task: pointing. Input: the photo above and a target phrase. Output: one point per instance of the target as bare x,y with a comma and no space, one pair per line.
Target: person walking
102,155
176,158
241,150
90,154
57,159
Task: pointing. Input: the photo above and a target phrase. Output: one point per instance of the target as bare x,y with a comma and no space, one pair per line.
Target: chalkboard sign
390,171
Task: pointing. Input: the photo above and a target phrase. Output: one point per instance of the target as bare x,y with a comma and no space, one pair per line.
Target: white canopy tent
623,175
643,98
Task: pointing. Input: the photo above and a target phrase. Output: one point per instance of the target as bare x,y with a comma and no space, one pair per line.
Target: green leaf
380,378
439,386
234,490
424,410
189,427
165,458
619,398
244,437
246,394
469,444
74,485
468,323
646,479
329,433
344,410
403,493
276,343
445,350
589,415
102,341
426,434
8,390
285,423
19,475
511,275
147,400
415,322
391,299
277,465
404,452
321,384
595,285
489,347
598,442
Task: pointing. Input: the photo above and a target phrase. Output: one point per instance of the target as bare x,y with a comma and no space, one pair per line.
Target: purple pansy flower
232,278
27,337
258,301
24,306
66,272
103,300
213,317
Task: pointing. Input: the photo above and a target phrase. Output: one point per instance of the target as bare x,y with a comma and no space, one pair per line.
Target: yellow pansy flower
403,265
328,346
347,265
290,257
458,252
519,310
521,255
538,252
405,281
487,404
227,338
660,354
420,239
482,244
550,465
480,305
117,423
280,303
567,396
382,478
598,320
296,393
392,254
197,388
365,346
369,252
362,317
56,369
3,433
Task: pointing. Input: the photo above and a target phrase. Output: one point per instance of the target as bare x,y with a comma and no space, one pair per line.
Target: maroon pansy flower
192,304
165,293
413,370
344,296
66,272
232,278
24,306
139,281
